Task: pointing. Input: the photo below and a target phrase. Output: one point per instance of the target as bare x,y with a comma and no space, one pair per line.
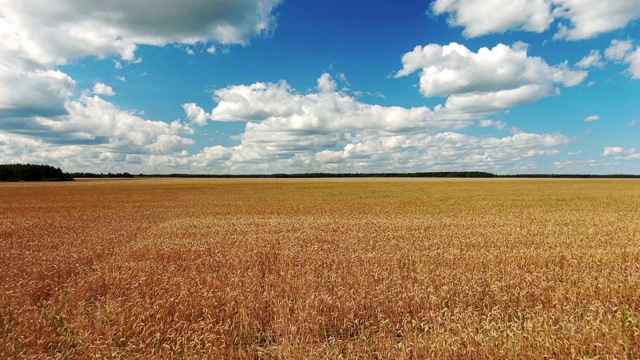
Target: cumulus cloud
589,18
612,151
103,89
51,35
489,80
480,17
195,114
324,110
619,49
326,84
26,93
38,35
624,51
92,134
575,19
594,59
633,60
331,131
285,131
95,135
94,121
448,148
370,152
79,157
620,153
592,118
40,117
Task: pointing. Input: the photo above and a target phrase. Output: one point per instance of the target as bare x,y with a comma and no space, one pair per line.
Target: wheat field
320,269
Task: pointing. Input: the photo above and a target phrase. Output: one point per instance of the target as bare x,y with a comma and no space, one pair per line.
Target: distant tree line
450,174
31,172
101,175
437,174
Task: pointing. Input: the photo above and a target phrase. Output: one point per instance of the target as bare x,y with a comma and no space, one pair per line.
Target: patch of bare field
331,268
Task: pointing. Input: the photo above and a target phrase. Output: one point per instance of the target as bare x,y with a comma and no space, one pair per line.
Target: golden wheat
348,268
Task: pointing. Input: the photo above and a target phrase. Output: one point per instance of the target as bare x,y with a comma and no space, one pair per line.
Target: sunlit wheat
367,268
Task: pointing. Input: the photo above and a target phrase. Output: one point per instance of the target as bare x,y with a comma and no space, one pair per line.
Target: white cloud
38,36
485,103
25,93
103,89
100,123
492,124
620,153
480,17
612,151
594,59
619,49
190,51
285,132
121,78
632,123
196,114
442,151
72,157
633,60
489,80
331,131
624,51
71,29
254,102
213,154
575,19
419,152
589,18
93,135
592,118
582,166
211,49
326,84
324,111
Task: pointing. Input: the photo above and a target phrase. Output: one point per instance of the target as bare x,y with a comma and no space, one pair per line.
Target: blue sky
269,86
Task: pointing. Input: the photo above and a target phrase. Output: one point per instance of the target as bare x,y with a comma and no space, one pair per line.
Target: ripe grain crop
324,269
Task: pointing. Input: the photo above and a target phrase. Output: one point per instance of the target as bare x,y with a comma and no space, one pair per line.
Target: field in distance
322,268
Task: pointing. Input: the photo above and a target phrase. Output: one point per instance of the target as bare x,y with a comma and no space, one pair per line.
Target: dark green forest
31,172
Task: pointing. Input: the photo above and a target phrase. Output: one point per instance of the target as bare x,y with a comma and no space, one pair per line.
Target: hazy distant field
351,268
